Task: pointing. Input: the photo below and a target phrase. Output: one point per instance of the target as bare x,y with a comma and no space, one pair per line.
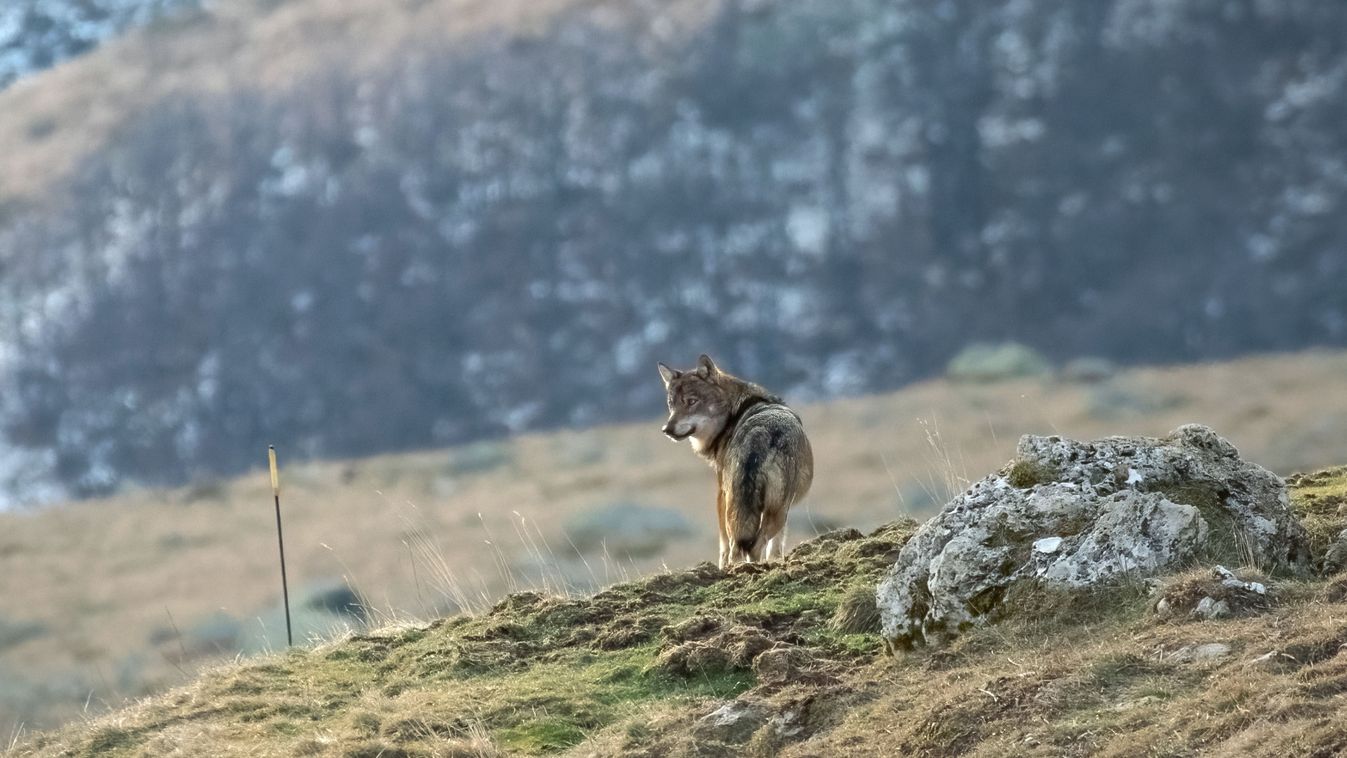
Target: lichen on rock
1080,514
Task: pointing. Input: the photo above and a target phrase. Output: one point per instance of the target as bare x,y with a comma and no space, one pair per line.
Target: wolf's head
700,401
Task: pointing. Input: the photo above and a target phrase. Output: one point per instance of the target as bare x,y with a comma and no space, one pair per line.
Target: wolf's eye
689,401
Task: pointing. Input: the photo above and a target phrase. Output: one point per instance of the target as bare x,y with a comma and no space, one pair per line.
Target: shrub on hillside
984,362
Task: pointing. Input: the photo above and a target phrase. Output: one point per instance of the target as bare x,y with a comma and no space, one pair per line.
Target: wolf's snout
671,431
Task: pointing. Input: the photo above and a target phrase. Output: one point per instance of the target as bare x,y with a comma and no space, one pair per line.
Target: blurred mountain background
352,227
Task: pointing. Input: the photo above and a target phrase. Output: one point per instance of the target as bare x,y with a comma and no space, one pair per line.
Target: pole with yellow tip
280,540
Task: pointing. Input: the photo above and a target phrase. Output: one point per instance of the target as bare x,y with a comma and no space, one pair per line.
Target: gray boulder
734,722
1076,514
1335,558
1211,651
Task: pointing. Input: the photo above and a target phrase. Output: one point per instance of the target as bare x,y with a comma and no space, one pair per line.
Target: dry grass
421,534
536,674
1120,686
633,670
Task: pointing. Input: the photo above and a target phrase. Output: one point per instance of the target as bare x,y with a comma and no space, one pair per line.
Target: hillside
785,659
124,597
432,250
57,118
355,227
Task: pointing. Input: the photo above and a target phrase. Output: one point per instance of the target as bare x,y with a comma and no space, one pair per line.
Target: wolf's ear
708,367
667,374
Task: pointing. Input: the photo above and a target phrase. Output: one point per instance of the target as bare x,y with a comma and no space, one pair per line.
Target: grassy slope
536,674
632,669
113,582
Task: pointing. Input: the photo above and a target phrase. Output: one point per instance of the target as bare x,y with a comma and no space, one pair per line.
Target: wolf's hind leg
772,535
723,527
756,555
776,546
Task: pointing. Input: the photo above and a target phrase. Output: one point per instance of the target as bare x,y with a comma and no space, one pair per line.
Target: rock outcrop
1077,514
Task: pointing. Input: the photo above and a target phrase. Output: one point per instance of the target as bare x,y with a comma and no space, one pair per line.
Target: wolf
757,447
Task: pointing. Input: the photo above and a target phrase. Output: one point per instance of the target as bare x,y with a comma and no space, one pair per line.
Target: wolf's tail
749,503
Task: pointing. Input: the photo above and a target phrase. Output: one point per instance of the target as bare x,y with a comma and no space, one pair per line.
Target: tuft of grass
1045,609
1026,475
1320,500
543,735
857,612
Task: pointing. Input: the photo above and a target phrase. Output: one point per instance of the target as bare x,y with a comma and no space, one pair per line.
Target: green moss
1320,500
795,600
550,704
845,645
545,735
1025,475
554,705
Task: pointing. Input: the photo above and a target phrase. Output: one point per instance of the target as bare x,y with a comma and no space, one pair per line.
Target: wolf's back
768,468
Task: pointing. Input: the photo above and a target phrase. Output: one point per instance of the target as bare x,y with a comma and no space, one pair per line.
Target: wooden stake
280,539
